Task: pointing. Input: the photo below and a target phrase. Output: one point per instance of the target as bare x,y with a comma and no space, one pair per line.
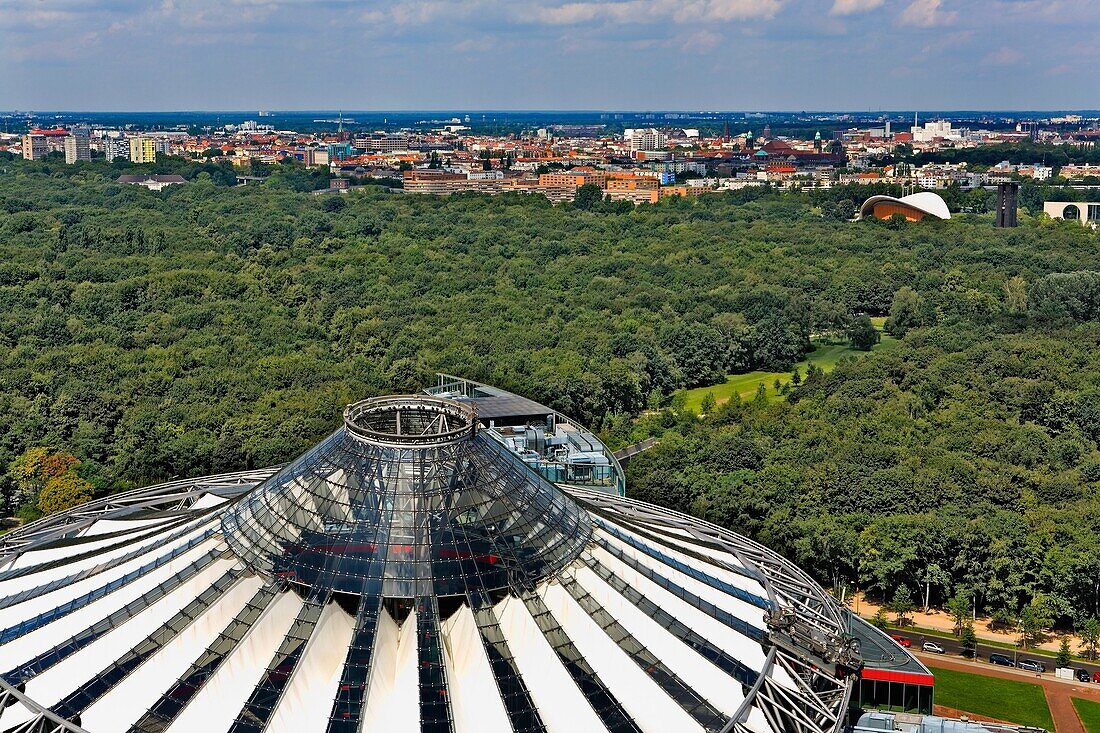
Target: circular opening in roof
411,420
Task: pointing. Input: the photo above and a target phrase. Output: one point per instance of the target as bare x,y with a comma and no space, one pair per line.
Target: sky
790,55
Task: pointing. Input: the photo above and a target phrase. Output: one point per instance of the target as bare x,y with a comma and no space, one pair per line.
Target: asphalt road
954,648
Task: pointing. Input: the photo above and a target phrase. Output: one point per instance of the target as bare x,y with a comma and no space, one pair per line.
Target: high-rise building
77,146
34,146
646,139
143,150
116,146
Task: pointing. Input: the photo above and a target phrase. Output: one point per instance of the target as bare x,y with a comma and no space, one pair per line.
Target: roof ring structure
411,421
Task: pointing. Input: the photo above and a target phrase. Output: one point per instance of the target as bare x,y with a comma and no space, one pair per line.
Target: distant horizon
557,110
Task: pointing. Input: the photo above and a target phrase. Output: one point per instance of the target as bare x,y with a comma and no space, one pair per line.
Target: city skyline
109,55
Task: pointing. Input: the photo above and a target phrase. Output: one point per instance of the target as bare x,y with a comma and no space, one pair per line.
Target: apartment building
35,146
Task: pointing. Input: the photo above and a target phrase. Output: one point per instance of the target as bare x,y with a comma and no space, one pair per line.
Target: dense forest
145,336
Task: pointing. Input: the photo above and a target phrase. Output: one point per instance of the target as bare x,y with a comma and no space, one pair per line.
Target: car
1096,676
1001,660
1032,665
1083,675
933,647
901,640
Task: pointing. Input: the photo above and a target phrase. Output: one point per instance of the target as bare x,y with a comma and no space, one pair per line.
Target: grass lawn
1018,702
825,355
1090,714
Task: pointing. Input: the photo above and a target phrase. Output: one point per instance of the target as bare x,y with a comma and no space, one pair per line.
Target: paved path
1060,693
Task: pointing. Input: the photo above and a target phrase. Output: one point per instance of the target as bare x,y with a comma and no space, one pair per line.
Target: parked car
1001,660
933,647
901,640
1083,675
1096,676
1032,665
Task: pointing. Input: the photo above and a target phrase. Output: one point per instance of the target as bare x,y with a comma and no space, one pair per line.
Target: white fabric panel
208,500
129,699
642,698
55,683
757,722
307,701
698,673
34,580
739,647
67,626
383,663
475,698
104,526
564,709
734,579
393,697
725,601
13,716
218,702
737,607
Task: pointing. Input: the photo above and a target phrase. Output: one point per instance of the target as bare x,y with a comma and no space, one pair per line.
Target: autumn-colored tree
48,480
64,492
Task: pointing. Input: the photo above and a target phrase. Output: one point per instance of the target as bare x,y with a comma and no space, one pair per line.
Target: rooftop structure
440,562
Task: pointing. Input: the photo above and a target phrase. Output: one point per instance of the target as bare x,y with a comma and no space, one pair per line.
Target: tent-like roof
409,573
924,202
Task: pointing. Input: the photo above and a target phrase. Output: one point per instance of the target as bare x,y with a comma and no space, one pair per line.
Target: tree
968,640
708,404
959,608
1015,289
64,492
906,311
901,605
1034,620
862,334
588,197
879,620
1089,631
1065,656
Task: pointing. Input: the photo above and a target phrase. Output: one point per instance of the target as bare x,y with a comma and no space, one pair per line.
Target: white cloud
927,14
649,11
851,7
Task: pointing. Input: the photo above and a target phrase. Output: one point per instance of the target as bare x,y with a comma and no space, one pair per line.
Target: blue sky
549,54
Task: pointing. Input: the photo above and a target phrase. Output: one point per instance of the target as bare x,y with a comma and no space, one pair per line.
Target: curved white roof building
913,207
415,571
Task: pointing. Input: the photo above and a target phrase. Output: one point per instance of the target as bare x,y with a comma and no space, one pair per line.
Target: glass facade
414,499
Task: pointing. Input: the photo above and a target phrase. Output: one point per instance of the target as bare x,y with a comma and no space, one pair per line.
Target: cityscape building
78,145
34,146
143,149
